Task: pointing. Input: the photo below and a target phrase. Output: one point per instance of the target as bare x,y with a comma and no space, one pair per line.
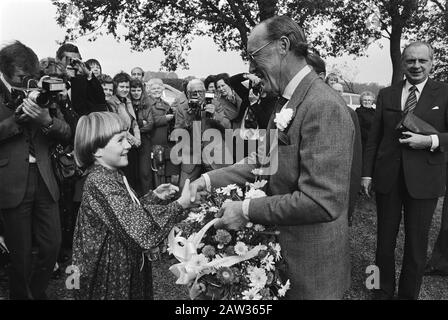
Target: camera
256,89
45,97
49,94
194,105
209,96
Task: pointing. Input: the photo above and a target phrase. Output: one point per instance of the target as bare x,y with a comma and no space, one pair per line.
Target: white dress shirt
404,97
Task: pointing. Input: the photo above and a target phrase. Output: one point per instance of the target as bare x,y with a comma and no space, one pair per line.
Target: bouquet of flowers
225,264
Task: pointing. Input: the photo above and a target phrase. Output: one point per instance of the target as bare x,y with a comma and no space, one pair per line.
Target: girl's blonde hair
93,132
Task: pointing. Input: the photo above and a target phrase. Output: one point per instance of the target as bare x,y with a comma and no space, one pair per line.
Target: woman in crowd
115,227
365,114
95,67
230,101
108,85
163,123
209,84
121,104
331,79
145,120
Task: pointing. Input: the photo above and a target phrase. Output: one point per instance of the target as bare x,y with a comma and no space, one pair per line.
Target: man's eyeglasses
252,55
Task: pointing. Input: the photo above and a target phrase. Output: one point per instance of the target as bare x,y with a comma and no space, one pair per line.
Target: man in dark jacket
408,169
86,93
29,192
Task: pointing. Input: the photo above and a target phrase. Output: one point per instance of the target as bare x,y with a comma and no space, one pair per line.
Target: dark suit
87,95
355,173
309,194
405,177
439,257
28,200
365,119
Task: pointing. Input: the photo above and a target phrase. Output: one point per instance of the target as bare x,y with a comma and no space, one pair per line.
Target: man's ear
285,45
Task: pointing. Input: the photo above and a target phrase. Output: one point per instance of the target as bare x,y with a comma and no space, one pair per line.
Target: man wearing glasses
308,196
209,114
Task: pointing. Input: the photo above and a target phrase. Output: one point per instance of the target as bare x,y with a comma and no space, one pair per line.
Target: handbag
414,124
64,165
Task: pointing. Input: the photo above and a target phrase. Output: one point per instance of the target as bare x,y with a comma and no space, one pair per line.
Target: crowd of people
124,191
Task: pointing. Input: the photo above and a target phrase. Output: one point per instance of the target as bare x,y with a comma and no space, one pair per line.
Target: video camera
45,97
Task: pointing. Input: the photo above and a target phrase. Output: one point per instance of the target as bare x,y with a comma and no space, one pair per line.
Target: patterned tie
280,103
411,102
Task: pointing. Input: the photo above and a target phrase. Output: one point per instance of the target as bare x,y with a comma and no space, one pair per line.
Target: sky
33,23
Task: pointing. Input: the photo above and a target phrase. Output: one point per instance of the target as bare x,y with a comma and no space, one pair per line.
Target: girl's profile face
123,89
115,154
136,93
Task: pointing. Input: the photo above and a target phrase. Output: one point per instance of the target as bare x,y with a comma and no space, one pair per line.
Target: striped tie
411,102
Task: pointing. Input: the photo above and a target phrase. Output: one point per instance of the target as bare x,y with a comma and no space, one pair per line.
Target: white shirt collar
419,86
7,85
294,83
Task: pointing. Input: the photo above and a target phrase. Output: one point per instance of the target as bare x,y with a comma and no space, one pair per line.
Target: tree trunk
267,8
395,52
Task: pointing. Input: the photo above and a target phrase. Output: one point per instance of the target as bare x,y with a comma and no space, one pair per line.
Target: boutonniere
283,118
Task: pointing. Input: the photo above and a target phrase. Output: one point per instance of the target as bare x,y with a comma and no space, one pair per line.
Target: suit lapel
426,98
396,93
297,97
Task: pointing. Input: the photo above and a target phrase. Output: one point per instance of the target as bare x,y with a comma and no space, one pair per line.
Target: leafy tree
355,25
334,26
172,24
433,27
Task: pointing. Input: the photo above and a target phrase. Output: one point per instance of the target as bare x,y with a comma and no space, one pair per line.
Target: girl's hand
189,197
166,191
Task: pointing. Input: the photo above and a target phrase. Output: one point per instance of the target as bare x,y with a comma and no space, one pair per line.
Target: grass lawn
362,242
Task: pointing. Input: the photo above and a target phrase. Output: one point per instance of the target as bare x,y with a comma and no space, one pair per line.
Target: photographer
163,113
28,190
209,113
86,94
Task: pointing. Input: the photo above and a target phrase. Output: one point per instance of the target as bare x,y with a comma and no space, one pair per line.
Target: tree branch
440,5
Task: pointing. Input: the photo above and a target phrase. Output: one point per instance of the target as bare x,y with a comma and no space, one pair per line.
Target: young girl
114,227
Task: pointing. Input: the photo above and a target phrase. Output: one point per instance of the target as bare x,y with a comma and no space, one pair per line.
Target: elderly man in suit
28,189
408,169
308,196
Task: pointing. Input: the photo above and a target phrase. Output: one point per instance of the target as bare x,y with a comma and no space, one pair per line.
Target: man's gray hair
194,81
418,44
279,26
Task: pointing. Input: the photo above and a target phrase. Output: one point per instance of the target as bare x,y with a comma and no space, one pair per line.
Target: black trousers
439,257
145,174
417,221
36,218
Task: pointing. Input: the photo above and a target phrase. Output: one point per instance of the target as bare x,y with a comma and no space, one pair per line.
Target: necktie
280,103
411,102
29,133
